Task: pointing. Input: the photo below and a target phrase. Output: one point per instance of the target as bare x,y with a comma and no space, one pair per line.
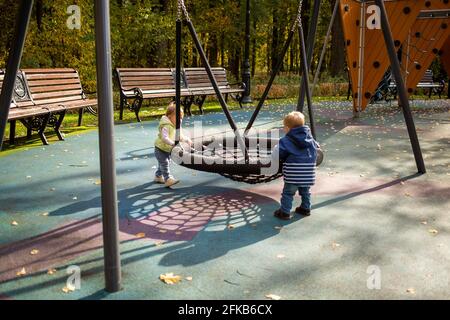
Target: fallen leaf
189,278
45,214
159,243
140,235
97,182
433,231
230,226
68,289
411,290
281,256
34,252
278,227
51,271
162,231
335,245
273,297
170,278
424,222
14,223
22,272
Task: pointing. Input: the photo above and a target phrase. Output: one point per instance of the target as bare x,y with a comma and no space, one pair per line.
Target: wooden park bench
42,98
139,84
199,85
427,83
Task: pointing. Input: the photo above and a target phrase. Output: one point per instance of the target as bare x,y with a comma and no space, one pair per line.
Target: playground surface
371,211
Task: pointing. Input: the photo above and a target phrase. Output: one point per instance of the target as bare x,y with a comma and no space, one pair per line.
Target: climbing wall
424,42
367,56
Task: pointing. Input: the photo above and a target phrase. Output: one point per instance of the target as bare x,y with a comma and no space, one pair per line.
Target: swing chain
182,10
298,19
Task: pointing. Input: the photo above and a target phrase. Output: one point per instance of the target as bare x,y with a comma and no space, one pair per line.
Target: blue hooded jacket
298,154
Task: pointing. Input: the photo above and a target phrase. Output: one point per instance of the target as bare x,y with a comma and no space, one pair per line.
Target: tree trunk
337,59
275,38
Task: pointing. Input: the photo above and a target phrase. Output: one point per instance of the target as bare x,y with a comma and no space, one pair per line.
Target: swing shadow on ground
163,215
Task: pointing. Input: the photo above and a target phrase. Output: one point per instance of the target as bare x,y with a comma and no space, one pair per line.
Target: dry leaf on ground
34,252
51,271
68,289
273,297
22,272
170,278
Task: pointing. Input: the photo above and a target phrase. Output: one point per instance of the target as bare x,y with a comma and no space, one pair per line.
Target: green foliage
143,35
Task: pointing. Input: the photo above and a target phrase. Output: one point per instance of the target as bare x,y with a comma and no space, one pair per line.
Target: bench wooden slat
56,88
48,70
56,94
57,100
35,83
44,76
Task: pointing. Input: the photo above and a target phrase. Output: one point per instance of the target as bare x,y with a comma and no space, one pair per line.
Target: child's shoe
303,211
159,179
282,215
171,181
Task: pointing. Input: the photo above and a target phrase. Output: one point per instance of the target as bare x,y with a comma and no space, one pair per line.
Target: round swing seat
222,155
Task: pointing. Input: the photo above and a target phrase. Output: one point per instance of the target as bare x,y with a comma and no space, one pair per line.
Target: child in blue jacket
298,155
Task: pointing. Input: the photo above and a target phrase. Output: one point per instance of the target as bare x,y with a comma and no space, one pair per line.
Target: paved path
370,209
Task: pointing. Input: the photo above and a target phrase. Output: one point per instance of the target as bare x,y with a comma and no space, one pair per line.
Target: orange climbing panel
424,42
366,52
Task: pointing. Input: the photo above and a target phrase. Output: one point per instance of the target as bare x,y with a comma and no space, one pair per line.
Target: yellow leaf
335,245
189,278
170,278
45,214
281,256
230,226
14,223
411,290
51,271
278,227
34,252
433,231
273,297
162,230
140,235
97,182
68,289
22,272
424,222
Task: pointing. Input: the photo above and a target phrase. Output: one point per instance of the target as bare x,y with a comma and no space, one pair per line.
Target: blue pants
288,194
163,163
